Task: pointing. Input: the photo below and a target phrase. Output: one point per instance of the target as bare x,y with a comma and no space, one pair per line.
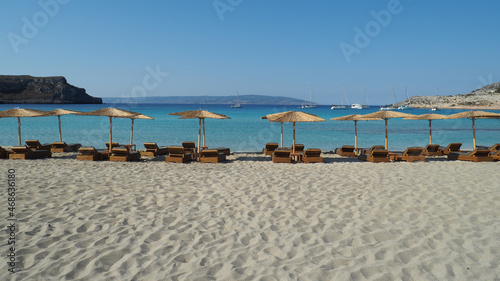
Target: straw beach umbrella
58,113
430,117
201,115
139,116
22,112
473,115
386,115
293,116
110,112
355,118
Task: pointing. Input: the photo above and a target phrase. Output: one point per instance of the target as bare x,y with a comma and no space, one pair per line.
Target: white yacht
356,106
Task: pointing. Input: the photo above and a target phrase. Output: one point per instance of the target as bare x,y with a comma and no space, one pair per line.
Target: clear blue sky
256,47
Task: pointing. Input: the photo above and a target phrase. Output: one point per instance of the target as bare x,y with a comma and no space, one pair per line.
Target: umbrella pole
474,132
293,145
281,134
132,131
110,133
199,137
19,128
60,134
430,132
203,131
355,134
386,143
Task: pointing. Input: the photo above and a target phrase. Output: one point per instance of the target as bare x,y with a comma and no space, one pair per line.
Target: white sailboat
310,105
405,106
365,105
342,106
390,107
237,104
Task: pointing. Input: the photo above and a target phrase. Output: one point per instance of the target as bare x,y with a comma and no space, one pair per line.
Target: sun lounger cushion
281,156
312,155
376,155
24,152
432,150
178,154
36,145
270,147
152,149
61,146
478,155
411,154
346,151
89,153
212,156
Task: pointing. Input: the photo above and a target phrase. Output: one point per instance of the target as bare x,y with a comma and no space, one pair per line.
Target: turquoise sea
245,131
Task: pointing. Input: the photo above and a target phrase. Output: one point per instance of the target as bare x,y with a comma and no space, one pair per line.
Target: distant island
27,89
487,97
242,99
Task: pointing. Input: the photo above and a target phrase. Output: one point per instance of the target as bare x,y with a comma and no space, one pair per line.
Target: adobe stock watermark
30,27
223,6
484,81
363,37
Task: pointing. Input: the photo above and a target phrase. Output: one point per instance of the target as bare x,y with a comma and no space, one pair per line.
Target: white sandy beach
250,219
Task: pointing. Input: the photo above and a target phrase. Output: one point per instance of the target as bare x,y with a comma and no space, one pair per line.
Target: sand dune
250,219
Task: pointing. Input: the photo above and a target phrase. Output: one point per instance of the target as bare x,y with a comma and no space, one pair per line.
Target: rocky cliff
485,97
29,89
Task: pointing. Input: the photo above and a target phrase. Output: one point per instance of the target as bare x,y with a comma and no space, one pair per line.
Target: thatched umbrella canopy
201,115
473,115
293,116
22,112
355,118
58,112
110,112
430,117
386,115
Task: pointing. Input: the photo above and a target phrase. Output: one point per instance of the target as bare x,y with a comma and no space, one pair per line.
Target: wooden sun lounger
178,154
298,148
282,156
432,150
36,145
152,150
312,155
369,150
24,152
61,146
410,154
346,151
478,155
375,156
190,147
452,147
212,156
224,150
4,153
495,155
89,153
123,154
270,148
113,144
492,148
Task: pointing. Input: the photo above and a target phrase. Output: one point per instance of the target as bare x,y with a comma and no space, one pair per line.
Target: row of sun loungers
286,155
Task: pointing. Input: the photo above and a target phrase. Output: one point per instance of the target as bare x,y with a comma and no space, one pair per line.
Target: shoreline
256,220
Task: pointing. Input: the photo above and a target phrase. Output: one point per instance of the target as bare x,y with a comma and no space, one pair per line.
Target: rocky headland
487,97
26,89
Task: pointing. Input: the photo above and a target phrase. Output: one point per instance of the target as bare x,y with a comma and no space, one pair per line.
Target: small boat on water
356,106
237,104
310,105
342,95
387,107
